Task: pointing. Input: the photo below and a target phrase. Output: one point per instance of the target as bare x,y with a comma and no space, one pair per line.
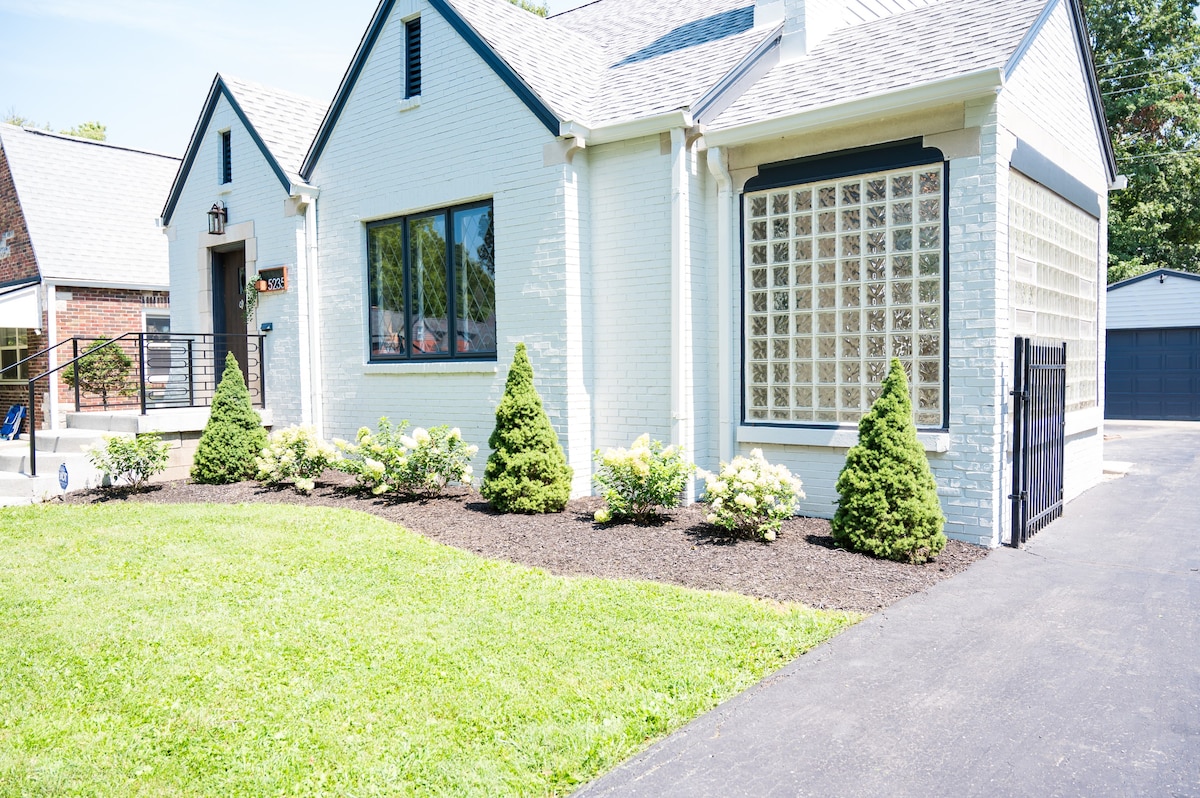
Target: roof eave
218,89
625,129
959,88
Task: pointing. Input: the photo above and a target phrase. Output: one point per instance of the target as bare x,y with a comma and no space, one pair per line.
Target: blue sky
143,67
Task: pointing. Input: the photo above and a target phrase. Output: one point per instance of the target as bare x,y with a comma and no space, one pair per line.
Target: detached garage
1153,361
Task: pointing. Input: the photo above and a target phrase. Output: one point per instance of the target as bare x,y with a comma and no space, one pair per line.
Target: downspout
682,428
725,260
312,329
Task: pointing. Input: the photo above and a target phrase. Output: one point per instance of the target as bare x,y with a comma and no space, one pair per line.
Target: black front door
229,309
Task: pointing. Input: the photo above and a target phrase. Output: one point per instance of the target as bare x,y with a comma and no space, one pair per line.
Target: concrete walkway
1071,667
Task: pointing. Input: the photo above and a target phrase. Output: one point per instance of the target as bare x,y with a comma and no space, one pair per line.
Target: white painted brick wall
631,267
1046,103
255,195
469,138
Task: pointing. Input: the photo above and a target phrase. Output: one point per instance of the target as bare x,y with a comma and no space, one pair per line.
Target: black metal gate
1039,436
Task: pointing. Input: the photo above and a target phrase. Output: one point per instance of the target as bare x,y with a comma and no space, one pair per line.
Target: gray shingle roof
286,122
615,60
90,207
939,41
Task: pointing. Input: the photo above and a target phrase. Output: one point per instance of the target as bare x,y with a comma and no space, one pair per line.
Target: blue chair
11,430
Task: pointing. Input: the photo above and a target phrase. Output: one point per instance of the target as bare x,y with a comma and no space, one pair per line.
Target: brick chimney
805,22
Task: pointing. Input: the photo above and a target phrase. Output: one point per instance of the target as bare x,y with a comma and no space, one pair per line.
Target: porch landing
67,447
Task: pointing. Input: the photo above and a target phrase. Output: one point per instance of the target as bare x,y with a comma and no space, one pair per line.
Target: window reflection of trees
421,311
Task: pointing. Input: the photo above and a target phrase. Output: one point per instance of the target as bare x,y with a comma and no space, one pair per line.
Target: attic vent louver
412,58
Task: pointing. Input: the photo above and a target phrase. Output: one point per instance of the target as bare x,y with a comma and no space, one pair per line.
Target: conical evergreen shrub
234,436
888,503
527,471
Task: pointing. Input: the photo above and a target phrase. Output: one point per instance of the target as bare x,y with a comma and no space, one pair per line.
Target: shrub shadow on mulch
801,565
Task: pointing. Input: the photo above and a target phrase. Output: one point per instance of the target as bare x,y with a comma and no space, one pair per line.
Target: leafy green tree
1147,56
541,9
527,471
888,504
234,436
103,369
88,130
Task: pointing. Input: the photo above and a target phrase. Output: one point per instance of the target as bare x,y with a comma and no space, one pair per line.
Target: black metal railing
148,371
1039,437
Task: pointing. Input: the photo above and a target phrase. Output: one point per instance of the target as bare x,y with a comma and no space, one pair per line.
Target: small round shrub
751,497
420,464
527,471
133,460
233,437
636,482
296,455
888,504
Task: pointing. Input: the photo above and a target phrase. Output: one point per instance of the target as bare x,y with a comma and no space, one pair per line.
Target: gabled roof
616,61
1159,274
924,45
281,124
90,207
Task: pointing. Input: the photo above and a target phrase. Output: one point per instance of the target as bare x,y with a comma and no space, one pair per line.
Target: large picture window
840,276
432,285
14,347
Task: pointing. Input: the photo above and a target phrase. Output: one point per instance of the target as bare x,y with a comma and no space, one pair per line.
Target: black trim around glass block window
831,166
880,158
412,58
403,286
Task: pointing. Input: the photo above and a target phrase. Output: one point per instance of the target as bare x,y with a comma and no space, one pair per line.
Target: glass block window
1055,262
841,276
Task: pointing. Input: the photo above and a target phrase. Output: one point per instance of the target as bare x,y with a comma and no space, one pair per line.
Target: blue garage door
1153,374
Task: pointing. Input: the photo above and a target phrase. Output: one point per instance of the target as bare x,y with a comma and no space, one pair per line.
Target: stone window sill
832,437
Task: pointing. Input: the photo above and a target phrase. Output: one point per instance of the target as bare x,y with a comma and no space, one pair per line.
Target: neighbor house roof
282,125
90,207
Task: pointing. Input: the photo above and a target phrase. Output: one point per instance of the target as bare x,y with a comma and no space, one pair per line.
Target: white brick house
709,220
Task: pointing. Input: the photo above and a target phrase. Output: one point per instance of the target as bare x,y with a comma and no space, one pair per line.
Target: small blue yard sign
62,476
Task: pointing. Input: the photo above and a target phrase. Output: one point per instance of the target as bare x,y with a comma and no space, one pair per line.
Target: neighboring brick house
709,220
79,252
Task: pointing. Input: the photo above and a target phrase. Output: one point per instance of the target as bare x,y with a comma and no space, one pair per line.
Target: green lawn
259,650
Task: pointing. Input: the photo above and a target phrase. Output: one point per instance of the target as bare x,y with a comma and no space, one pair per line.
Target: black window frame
412,58
409,353
226,157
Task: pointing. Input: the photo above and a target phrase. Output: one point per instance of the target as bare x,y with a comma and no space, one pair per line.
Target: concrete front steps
67,447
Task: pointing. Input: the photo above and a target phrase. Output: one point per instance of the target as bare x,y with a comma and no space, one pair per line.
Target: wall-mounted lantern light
216,219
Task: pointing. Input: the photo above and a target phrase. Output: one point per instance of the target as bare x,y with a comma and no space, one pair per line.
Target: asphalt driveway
1071,667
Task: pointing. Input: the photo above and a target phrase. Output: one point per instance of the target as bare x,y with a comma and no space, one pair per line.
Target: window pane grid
14,347
431,285
841,275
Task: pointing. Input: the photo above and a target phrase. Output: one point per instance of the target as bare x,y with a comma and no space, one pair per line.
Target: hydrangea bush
296,455
422,463
131,460
636,482
751,497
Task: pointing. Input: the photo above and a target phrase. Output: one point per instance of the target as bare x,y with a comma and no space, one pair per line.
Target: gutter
682,426
726,215
938,92
627,129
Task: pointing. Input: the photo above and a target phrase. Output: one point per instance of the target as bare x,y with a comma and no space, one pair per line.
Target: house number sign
272,279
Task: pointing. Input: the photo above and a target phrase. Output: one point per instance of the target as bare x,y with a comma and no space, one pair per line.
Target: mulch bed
801,565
